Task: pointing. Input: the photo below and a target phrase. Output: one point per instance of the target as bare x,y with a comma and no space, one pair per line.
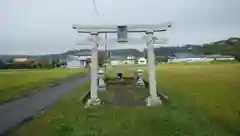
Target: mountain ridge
230,46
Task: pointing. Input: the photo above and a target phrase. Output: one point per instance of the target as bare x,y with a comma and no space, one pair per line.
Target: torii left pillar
94,100
153,99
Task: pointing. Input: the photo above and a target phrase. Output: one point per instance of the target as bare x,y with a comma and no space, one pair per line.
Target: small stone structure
139,78
101,82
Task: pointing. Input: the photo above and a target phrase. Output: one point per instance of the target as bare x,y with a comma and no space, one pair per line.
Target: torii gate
122,31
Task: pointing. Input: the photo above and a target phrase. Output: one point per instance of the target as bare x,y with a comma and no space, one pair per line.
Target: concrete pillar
153,99
94,100
94,68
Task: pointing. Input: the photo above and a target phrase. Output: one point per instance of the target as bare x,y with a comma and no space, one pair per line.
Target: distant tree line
229,47
31,65
2,64
226,47
161,59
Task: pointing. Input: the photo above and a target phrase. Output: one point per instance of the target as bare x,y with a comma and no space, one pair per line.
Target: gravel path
14,113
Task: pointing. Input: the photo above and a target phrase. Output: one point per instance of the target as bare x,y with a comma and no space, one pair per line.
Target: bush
47,66
2,65
161,59
18,66
225,61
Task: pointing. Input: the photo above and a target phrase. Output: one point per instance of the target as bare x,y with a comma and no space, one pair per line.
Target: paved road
14,113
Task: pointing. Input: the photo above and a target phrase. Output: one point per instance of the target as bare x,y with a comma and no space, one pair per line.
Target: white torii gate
153,99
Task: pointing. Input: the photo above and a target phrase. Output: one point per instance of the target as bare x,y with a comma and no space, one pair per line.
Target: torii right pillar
153,99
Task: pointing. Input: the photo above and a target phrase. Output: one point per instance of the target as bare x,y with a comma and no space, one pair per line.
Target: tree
54,63
101,59
2,64
161,59
235,51
225,47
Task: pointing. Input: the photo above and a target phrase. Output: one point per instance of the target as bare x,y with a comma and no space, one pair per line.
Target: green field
203,101
14,83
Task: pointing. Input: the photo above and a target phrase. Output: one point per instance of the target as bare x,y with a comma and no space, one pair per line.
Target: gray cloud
33,26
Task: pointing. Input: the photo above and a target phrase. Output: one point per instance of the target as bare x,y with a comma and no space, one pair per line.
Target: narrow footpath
15,113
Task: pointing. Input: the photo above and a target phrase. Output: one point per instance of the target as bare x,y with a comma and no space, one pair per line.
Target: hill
230,46
62,56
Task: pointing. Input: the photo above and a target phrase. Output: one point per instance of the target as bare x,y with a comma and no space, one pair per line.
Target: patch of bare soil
124,93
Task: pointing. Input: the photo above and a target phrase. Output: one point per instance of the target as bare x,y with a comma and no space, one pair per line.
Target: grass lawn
14,83
204,101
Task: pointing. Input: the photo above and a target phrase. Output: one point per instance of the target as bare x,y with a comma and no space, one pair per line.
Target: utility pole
144,52
106,54
50,59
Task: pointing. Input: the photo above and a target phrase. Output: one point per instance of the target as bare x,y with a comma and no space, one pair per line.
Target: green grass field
203,101
14,83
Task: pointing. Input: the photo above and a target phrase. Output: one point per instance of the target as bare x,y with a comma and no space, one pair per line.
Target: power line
95,7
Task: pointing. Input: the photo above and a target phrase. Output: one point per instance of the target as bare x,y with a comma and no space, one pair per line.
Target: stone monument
101,82
140,82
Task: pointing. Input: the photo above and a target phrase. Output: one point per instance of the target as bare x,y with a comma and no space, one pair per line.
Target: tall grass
211,89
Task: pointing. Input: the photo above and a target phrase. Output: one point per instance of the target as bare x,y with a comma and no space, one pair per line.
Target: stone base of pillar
93,102
150,101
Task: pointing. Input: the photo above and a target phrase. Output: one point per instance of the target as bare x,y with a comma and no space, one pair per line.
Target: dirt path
124,95
14,113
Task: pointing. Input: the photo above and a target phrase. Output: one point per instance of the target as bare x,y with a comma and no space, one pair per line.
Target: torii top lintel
114,29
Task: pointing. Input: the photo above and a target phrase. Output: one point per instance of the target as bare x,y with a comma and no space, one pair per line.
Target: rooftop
118,58
186,55
218,56
83,53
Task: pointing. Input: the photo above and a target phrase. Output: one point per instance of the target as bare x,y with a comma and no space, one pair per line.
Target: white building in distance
79,59
122,60
142,61
190,57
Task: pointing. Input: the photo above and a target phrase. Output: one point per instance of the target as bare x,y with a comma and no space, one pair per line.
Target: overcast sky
44,26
